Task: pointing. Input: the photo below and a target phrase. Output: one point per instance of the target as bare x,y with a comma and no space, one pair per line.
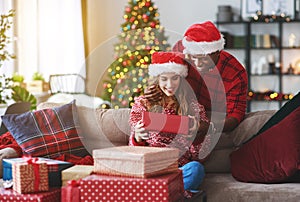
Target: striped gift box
30,176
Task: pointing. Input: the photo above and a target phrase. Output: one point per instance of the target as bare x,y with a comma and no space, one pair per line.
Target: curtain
8,66
49,37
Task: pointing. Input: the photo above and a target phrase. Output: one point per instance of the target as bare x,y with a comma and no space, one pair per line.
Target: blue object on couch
54,169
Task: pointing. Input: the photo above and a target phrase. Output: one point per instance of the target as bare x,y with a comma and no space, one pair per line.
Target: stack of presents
122,173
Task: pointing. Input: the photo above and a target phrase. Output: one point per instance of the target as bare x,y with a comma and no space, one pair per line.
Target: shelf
250,54
253,100
254,48
296,75
290,48
233,22
264,75
235,48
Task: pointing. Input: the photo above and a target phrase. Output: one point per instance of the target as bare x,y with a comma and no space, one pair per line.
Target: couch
109,127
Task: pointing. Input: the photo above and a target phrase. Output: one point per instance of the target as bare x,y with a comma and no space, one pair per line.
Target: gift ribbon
72,193
36,169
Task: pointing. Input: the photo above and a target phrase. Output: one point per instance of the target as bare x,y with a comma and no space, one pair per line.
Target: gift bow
36,169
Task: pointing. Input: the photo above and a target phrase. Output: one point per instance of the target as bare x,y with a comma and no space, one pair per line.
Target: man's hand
153,93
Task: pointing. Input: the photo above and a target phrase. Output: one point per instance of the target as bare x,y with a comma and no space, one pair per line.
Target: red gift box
165,122
104,188
70,192
52,195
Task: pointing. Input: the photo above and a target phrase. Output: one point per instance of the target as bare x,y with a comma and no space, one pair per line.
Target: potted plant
38,83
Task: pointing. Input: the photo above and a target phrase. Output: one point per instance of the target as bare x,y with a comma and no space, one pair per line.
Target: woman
168,71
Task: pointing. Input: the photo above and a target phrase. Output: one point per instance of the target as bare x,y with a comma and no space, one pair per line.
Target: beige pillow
250,126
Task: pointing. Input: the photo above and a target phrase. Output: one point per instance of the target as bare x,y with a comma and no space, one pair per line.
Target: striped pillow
48,132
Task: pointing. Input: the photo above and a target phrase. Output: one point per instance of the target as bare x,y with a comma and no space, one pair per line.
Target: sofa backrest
101,127
110,127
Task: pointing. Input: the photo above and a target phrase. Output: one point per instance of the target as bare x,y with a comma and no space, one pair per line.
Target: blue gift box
54,169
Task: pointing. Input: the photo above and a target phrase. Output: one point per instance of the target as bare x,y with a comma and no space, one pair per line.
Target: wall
104,18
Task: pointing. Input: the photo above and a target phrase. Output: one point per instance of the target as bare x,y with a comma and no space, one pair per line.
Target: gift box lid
77,172
53,165
139,161
138,153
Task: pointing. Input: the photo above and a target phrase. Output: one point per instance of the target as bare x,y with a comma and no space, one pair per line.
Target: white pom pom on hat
203,38
168,62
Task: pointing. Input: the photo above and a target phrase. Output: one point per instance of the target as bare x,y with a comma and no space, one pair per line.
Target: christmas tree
141,36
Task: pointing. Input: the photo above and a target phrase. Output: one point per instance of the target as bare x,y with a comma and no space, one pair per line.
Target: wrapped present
55,168
52,195
30,176
76,172
165,122
70,192
102,188
139,161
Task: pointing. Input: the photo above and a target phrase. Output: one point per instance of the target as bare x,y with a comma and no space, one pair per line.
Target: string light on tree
141,35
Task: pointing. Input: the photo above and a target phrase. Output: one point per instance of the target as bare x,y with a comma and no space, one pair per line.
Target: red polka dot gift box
139,161
105,188
53,195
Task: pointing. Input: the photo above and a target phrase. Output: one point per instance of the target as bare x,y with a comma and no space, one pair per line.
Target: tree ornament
152,24
145,16
132,19
124,102
127,9
147,4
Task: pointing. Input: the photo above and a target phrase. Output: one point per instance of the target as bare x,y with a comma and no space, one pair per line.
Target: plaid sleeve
236,85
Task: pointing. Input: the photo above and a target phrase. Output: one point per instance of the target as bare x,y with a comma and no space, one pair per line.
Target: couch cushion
101,127
251,124
223,187
48,132
273,155
218,161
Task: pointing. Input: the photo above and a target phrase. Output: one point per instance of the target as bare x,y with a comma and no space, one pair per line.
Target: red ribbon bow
36,168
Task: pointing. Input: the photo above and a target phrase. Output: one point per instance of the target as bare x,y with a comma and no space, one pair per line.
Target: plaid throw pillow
47,133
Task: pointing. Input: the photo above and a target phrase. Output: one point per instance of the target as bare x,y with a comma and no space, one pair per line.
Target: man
222,83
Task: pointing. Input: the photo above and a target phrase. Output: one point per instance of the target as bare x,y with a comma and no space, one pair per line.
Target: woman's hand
195,125
140,133
153,93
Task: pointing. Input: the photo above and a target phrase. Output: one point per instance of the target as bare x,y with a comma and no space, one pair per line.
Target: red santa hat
203,38
163,62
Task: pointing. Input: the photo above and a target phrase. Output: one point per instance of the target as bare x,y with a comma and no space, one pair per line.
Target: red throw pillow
271,157
48,132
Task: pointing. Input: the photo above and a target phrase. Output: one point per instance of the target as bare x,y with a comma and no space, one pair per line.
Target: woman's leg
193,174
